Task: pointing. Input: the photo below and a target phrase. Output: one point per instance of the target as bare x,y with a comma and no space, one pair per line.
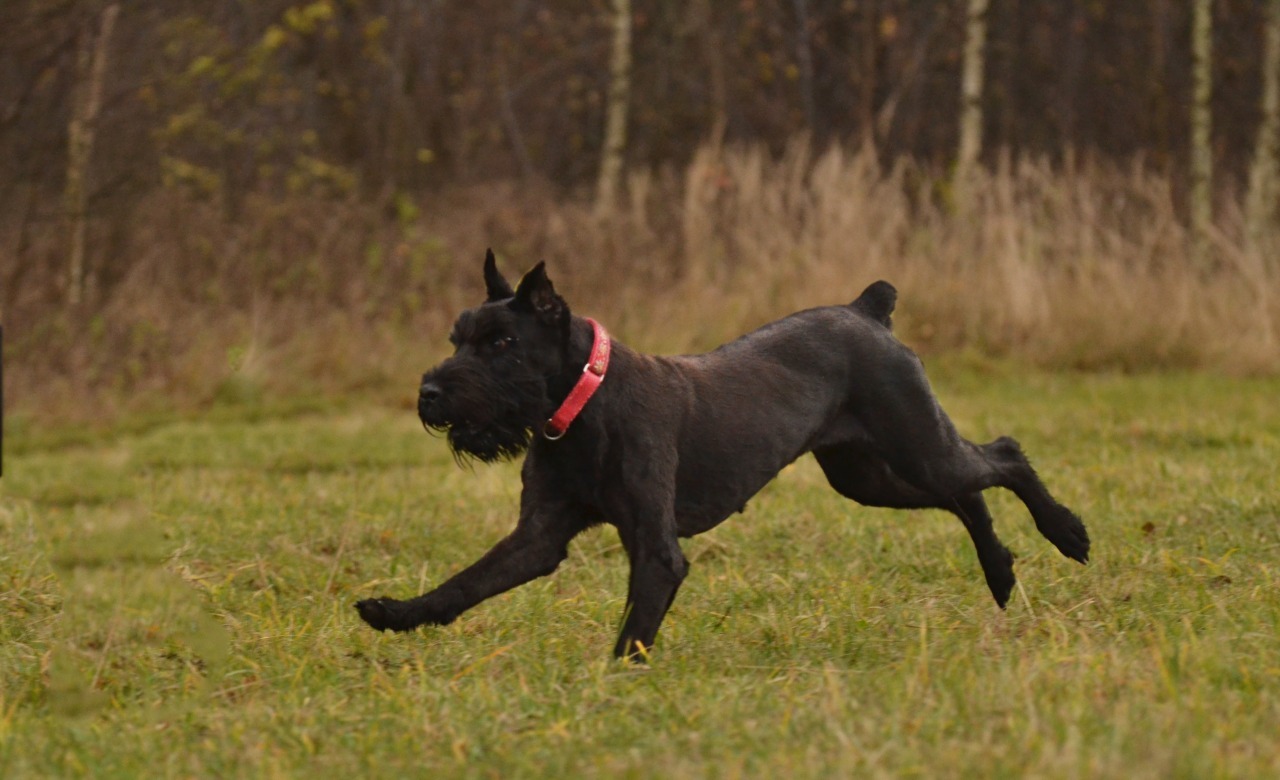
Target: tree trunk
867,82
91,68
1158,83
804,59
1201,130
702,21
971,96
719,85
1260,209
615,132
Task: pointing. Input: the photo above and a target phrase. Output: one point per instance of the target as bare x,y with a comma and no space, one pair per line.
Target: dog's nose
430,392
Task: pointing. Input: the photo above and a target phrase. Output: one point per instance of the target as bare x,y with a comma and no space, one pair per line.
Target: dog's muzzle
429,395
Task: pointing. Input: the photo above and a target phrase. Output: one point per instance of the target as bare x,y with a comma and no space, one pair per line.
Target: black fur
671,446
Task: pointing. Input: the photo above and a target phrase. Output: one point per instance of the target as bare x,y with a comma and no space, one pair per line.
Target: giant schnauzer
668,447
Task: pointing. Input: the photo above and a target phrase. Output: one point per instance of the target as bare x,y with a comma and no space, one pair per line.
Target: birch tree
615,130
91,68
1260,207
971,96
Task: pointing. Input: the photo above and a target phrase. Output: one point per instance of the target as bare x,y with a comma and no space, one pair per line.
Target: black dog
671,446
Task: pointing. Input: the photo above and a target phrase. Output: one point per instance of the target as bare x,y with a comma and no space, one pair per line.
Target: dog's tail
877,302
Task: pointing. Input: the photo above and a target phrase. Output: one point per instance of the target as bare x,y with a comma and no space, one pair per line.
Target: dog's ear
495,285
535,294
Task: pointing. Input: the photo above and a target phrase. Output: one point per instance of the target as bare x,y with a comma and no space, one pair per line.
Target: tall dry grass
1087,269
1083,267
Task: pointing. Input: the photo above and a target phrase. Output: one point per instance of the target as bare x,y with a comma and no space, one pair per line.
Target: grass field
175,601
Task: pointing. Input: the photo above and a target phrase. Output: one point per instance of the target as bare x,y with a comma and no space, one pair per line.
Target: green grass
175,601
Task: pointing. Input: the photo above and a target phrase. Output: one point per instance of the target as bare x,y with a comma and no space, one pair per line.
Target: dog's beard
489,419
488,444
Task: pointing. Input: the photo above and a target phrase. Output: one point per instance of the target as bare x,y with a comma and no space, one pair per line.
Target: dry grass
1083,268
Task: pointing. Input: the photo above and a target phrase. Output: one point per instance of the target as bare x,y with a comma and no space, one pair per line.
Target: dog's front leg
657,568
534,549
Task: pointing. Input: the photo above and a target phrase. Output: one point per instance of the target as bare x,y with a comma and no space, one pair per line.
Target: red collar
592,376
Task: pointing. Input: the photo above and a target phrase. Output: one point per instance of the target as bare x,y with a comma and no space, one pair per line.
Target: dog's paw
1000,577
383,614
1067,532
1001,586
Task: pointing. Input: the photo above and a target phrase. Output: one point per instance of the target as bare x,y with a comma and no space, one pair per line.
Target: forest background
218,200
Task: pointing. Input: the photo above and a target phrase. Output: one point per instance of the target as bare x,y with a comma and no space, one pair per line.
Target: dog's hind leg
996,560
905,426
863,477
1054,521
954,467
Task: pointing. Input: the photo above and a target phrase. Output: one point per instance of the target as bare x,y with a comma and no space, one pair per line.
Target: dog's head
492,394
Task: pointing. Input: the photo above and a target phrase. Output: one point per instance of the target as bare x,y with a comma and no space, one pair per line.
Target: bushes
1084,268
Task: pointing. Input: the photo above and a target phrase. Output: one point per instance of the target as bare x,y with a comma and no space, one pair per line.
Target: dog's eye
502,342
